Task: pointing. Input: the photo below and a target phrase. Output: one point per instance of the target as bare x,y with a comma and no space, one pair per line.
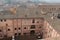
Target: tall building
30,20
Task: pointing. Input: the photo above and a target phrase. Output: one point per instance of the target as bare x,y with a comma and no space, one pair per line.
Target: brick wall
21,26
49,31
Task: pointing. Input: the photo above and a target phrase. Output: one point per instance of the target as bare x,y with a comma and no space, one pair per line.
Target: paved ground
25,37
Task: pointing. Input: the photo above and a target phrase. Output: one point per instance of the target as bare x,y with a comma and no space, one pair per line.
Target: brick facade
26,26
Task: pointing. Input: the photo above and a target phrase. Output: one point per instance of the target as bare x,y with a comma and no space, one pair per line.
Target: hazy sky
49,1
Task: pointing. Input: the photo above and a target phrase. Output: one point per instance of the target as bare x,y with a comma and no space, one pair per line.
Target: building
31,21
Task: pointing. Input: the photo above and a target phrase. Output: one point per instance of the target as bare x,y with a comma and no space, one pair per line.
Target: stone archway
32,32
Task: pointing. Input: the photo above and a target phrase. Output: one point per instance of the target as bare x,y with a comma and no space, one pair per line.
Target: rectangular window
0,30
32,26
15,28
33,21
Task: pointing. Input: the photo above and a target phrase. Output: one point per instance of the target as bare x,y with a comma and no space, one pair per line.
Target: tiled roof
22,12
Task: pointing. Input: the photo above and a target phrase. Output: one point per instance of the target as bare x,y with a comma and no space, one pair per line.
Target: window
6,24
32,32
33,21
32,26
40,27
8,29
0,30
24,27
19,28
37,21
1,20
15,34
24,33
19,34
5,20
15,28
